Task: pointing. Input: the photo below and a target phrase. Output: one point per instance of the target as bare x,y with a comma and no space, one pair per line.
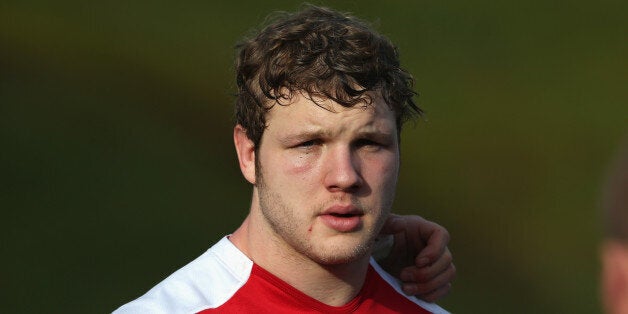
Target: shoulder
207,282
396,285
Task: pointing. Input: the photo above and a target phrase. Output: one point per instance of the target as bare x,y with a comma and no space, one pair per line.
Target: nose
342,170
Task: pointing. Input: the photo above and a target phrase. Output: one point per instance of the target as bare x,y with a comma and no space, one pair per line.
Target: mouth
343,218
344,215
343,211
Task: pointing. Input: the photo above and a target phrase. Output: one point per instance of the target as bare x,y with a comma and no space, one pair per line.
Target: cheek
393,170
384,169
298,164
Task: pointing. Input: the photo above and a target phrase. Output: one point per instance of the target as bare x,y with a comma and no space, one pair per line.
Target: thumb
394,224
436,239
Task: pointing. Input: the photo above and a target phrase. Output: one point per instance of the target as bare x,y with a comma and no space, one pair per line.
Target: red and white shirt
224,280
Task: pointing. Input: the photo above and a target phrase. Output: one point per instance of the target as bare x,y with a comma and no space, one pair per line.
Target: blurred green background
117,167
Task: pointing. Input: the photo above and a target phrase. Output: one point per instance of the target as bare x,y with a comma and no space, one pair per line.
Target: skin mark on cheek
298,165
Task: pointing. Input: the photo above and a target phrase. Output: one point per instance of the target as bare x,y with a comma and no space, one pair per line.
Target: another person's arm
415,250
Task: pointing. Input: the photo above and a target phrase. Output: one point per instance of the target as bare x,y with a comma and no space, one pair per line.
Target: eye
371,144
366,142
309,143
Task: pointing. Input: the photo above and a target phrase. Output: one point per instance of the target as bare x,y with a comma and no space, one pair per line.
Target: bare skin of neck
333,285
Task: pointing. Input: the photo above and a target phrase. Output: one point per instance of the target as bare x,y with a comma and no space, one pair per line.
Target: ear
246,153
615,277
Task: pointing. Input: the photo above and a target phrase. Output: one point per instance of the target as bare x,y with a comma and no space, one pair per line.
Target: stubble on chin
291,233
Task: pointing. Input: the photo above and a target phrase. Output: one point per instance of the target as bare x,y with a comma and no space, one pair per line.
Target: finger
415,230
402,249
436,245
424,232
425,288
442,279
394,224
426,273
436,294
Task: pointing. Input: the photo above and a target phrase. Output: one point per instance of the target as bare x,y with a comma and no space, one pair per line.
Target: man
615,243
319,112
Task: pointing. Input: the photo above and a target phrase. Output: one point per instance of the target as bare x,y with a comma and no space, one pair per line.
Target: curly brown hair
323,54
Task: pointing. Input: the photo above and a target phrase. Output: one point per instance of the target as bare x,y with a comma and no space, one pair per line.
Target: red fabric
265,293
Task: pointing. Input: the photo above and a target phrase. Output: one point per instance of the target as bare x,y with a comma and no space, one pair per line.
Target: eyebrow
376,134
302,136
369,133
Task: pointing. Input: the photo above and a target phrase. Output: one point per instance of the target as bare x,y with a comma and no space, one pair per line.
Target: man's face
326,178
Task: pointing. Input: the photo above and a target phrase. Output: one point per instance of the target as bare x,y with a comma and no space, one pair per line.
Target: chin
341,253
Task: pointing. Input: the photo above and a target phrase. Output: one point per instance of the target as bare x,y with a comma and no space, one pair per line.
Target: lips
342,218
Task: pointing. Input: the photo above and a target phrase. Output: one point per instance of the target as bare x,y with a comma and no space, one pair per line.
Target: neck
333,285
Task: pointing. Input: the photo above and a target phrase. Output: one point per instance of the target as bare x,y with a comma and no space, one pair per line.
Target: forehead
303,112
